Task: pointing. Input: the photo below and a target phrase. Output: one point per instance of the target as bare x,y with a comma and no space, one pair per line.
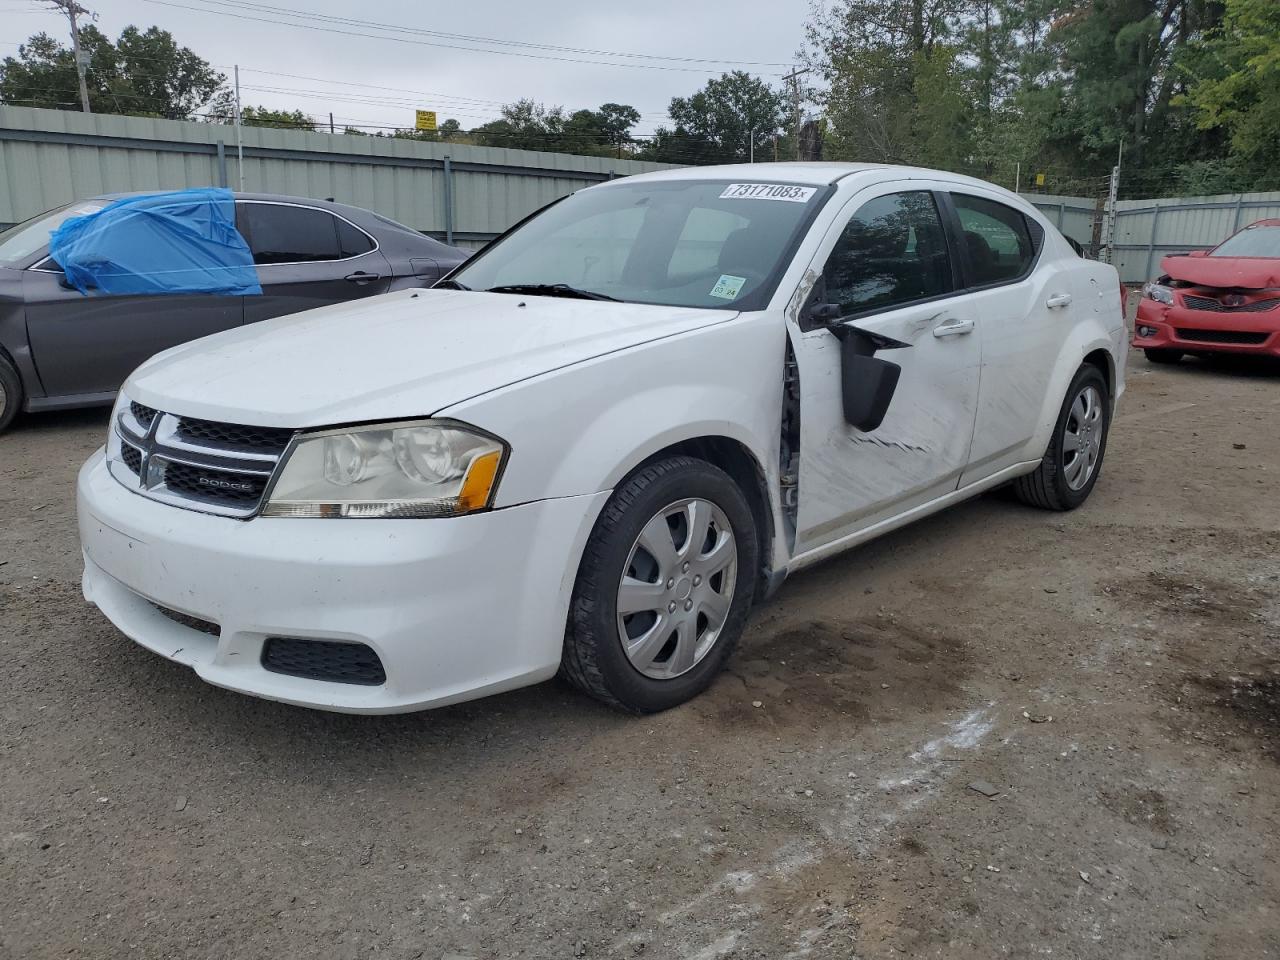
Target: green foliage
528,125
1235,88
983,86
287,119
716,124
144,73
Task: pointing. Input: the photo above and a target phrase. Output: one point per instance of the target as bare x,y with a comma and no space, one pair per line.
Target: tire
683,640
1057,483
10,393
1157,355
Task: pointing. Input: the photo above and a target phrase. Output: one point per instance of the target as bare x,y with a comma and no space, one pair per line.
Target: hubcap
1082,438
676,589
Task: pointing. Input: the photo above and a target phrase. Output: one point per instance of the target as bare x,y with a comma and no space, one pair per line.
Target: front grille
220,486
334,661
221,468
1211,305
233,435
132,457
143,414
1222,336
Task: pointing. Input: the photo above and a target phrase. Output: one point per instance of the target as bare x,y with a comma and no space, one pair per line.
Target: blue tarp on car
183,241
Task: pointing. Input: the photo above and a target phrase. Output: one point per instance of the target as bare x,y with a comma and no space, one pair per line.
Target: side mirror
867,385
825,314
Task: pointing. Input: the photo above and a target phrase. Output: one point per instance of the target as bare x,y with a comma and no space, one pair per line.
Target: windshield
20,242
688,243
1251,242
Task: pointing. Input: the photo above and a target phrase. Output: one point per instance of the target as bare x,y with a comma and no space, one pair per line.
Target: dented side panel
848,477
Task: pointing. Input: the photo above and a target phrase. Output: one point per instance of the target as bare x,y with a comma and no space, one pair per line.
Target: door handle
361,277
953,328
1058,300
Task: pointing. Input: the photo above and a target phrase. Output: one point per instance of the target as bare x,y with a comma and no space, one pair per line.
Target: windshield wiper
552,290
451,285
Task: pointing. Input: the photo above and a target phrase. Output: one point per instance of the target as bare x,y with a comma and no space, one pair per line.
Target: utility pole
794,78
239,133
72,10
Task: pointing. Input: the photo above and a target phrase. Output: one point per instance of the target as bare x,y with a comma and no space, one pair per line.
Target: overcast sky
466,84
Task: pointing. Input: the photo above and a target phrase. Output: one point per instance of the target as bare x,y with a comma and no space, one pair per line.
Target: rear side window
352,241
996,240
278,233
891,252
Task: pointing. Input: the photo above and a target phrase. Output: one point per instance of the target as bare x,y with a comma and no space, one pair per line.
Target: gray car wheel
1072,464
664,587
10,393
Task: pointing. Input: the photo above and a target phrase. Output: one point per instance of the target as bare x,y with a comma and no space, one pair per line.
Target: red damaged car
1224,300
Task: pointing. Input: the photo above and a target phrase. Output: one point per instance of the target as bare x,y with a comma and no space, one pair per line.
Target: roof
809,174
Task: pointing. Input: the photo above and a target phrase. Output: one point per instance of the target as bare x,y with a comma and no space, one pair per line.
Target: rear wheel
1158,355
10,393
664,588
1071,465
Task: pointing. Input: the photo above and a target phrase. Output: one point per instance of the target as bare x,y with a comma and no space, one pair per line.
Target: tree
1235,88
894,89
716,124
287,119
529,125
144,73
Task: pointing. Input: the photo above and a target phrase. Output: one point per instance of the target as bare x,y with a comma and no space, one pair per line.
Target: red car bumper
1181,328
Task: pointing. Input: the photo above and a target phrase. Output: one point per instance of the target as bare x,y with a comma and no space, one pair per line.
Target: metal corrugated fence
454,191
50,157
1147,230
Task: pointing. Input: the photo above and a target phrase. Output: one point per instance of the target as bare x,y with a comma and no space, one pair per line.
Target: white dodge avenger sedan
598,442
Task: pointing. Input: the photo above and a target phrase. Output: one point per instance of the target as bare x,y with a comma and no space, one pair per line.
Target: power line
257,6
301,25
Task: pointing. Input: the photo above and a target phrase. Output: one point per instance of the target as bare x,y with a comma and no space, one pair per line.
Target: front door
87,345
887,265
307,257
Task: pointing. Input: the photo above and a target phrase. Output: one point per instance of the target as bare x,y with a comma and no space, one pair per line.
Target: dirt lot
145,814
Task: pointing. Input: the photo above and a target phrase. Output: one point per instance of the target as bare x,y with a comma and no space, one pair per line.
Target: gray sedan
61,349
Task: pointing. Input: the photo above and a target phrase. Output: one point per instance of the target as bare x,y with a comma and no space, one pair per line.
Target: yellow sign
1039,176
426,120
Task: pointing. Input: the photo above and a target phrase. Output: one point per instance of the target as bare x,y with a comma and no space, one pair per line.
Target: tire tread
579,664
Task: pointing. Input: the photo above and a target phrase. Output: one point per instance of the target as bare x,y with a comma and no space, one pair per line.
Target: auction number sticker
768,191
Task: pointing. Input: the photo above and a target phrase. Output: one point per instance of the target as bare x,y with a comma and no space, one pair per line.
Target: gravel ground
1112,676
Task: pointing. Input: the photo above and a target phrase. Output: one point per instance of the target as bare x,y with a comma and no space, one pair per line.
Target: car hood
1251,273
403,354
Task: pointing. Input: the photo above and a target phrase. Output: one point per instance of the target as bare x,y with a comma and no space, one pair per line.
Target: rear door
88,345
307,257
1024,308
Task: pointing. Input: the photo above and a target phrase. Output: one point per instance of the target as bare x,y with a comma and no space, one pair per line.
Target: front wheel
10,393
1071,466
664,588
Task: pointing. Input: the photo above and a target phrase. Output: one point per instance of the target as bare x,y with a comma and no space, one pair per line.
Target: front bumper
1200,331
455,608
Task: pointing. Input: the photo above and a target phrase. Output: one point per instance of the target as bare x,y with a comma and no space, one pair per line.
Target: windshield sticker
727,287
768,191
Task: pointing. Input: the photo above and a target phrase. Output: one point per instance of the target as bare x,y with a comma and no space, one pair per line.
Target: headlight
427,468
1158,292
